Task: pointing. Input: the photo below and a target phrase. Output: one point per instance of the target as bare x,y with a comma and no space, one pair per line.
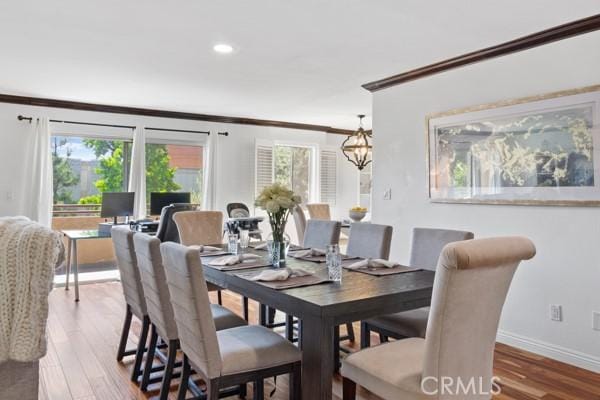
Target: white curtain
210,163
40,208
137,172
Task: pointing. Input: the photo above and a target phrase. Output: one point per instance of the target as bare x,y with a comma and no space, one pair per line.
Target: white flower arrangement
278,201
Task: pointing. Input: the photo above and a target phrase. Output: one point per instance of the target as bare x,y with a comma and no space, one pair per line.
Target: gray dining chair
228,357
160,311
365,241
320,233
469,291
427,244
122,239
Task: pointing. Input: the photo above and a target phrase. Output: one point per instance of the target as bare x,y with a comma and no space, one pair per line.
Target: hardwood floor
81,361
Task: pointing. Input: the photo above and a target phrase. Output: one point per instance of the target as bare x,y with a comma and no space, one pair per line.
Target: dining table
322,307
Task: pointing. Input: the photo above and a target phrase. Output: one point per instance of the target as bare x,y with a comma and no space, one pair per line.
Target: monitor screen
117,204
160,200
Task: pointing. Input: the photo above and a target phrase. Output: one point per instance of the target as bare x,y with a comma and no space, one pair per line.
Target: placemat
293,282
214,253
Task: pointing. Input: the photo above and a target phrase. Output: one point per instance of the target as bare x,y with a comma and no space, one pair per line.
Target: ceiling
294,60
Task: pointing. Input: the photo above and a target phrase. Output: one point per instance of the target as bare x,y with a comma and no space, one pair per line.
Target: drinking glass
244,239
333,259
232,243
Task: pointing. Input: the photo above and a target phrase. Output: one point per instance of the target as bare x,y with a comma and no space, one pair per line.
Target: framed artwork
541,150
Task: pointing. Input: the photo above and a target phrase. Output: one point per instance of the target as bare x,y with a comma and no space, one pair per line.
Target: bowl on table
357,215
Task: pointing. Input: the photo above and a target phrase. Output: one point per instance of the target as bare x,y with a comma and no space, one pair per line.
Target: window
292,167
310,173
175,168
83,168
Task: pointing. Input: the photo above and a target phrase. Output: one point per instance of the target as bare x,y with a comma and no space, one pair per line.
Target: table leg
75,270
68,265
317,358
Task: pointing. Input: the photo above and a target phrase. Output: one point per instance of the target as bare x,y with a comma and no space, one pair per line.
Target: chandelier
357,147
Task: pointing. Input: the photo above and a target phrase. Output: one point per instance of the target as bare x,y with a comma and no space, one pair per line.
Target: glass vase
278,248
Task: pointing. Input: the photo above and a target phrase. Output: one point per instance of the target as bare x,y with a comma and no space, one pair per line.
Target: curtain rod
22,118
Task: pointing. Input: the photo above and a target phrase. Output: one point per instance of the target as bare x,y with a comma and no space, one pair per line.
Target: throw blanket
29,252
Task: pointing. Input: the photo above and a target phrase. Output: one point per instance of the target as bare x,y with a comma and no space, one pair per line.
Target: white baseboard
549,350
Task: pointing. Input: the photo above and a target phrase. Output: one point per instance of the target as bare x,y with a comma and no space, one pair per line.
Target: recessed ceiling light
223,48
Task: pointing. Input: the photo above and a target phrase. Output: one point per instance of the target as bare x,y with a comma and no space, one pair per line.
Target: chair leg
219,297
349,389
350,331
124,334
262,314
139,354
168,374
295,384
300,334
289,327
365,335
149,360
185,375
259,390
245,307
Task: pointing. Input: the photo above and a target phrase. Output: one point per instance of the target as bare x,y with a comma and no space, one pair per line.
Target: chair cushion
391,370
253,347
412,323
225,319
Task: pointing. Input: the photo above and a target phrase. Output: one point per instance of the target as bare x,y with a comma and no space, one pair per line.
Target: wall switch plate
596,320
555,312
387,195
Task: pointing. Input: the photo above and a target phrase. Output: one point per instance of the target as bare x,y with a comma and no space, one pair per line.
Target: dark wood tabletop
321,307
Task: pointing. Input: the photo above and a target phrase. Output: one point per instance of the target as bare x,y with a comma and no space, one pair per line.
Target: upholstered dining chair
427,244
319,211
122,238
365,241
320,233
300,223
471,283
160,311
228,357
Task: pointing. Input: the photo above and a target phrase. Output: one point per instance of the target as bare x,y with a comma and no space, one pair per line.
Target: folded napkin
309,253
279,274
205,249
262,246
372,263
233,260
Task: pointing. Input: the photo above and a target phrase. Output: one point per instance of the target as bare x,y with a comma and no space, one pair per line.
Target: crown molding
148,112
541,38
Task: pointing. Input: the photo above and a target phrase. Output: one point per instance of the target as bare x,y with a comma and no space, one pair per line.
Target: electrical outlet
596,320
555,312
387,195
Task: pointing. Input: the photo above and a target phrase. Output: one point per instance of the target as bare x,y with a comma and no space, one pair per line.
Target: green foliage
159,176
63,175
292,168
93,199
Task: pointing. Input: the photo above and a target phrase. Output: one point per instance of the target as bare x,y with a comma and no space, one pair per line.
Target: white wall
566,269
235,169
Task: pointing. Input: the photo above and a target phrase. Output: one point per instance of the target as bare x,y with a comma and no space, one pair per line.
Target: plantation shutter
264,165
328,176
